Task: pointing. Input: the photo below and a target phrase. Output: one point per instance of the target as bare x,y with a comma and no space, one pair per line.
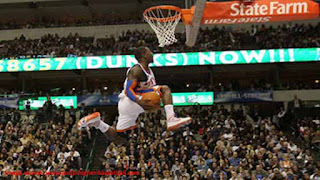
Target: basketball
154,97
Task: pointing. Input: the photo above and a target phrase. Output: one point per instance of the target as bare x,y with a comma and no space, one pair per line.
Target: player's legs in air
173,122
94,120
128,114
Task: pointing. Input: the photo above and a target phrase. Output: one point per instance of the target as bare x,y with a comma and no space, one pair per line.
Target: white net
163,21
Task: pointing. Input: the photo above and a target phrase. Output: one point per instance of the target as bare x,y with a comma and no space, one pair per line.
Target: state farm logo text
273,8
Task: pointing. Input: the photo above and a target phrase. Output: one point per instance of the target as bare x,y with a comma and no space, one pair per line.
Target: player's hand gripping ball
154,99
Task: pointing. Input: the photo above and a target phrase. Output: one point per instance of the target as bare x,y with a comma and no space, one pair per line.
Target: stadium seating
208,40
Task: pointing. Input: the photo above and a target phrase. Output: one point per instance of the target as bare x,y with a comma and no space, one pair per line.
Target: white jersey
151,81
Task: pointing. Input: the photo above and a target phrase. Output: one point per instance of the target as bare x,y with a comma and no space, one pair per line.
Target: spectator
315,175
27,147
48,107
316,138
235,160
260,173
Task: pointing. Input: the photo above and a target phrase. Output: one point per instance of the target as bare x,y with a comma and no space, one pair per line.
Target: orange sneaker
88,120
176,123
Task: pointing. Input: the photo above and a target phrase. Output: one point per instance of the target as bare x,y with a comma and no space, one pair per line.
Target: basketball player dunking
140,79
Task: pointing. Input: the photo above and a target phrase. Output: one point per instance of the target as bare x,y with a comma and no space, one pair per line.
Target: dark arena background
247,72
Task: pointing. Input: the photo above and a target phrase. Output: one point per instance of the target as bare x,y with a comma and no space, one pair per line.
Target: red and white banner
233,12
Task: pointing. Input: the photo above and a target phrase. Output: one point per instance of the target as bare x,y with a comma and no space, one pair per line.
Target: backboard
205,12
193,28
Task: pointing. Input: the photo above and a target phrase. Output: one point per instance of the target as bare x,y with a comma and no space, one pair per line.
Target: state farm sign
259,11
274,8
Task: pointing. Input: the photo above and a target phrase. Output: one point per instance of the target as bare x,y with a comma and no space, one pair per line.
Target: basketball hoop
163,20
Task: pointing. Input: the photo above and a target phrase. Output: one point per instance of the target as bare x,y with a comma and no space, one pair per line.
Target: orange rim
165,7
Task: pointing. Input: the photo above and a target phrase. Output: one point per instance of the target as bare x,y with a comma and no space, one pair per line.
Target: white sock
104,127
169,111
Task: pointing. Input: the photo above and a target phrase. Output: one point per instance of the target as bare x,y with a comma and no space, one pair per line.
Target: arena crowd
259,37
